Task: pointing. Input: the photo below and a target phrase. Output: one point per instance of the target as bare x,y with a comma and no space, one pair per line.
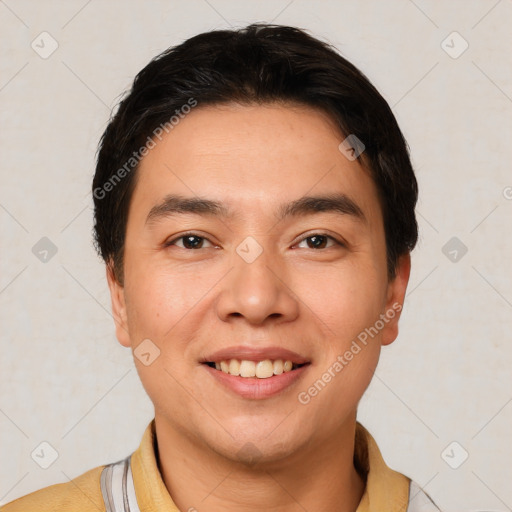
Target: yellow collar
385,489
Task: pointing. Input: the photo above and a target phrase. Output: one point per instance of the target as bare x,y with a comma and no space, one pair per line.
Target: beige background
65,380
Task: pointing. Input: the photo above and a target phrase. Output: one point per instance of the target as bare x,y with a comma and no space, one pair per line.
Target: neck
319,477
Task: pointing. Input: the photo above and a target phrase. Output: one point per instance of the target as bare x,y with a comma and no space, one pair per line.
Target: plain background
65,379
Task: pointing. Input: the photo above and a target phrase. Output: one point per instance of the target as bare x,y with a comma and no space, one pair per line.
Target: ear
118,306
395,299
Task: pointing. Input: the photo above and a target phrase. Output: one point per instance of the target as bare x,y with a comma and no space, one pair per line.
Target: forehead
251,157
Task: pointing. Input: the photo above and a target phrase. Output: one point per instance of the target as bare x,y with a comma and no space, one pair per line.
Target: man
254,205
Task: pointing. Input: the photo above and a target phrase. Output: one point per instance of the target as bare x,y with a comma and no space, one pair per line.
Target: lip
253,387
241,352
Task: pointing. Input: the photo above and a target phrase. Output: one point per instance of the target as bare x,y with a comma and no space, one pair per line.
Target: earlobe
395,298
118,306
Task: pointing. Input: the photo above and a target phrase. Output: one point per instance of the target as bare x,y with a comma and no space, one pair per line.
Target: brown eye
192,242
189,241
318,241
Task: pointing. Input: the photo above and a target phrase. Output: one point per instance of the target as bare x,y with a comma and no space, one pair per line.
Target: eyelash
311,235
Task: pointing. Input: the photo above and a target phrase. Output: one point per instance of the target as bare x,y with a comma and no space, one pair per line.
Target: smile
260,369
255,372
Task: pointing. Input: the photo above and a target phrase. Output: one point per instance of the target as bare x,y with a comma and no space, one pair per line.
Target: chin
259,454
259,444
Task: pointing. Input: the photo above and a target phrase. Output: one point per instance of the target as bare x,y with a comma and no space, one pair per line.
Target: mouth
263,369
256,373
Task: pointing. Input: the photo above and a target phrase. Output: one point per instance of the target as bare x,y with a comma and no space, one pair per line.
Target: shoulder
82,494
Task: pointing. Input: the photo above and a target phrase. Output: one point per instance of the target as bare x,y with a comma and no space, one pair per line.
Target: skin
314,301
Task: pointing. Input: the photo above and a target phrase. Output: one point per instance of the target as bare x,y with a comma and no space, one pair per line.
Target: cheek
347,301
154,302
162,302
160,307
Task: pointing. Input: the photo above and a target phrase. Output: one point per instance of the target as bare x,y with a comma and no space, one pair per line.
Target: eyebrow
307,205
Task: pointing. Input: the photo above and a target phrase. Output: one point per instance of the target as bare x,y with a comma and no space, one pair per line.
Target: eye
318,241
189,241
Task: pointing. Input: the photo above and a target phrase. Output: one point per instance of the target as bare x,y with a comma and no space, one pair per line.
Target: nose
258,291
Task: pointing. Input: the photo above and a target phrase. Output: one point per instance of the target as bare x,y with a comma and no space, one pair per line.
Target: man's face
258,277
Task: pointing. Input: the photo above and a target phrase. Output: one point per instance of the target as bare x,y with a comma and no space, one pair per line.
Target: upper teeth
261,369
